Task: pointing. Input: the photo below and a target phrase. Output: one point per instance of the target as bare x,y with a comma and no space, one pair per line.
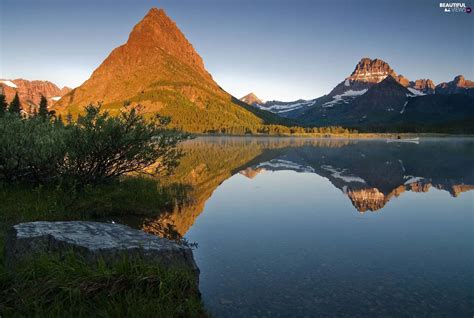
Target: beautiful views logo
454,7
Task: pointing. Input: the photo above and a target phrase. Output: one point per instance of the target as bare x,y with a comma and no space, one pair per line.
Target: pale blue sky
279,49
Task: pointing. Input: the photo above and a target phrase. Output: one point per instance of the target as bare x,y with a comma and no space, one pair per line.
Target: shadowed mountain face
380,102
369,173
374,98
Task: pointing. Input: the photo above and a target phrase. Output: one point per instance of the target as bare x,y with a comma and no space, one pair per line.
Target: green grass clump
52,286
136,196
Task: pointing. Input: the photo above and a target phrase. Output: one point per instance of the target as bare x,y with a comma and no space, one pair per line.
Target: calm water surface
307,227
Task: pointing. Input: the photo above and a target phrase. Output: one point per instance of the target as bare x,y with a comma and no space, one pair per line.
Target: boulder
93,240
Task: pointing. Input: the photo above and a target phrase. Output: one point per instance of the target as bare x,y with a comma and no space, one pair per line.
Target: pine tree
43,107
3,105
15,105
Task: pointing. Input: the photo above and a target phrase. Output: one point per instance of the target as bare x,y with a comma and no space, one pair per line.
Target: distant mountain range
158,68
30,92
374,96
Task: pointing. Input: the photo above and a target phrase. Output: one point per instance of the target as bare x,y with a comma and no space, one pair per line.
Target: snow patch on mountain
415,91
401,165
337,173
56,98
9,83
349,94
412,179
280,164
285,107
404,106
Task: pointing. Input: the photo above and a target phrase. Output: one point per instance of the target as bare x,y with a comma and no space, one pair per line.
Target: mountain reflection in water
369,172
282,227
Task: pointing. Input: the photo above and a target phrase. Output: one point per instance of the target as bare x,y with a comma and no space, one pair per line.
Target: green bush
31,150
102,147
94,149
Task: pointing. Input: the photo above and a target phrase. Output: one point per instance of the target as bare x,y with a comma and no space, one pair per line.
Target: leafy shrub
30,150
95,149
102,147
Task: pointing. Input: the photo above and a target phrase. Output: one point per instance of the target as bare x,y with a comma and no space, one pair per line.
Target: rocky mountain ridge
30,92
426,86
459,85
373,97
351,91
371,71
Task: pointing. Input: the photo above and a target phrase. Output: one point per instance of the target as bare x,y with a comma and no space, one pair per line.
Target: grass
130,196
54,287
67,287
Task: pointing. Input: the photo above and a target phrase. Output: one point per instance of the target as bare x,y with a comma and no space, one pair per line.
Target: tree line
281,130
15,107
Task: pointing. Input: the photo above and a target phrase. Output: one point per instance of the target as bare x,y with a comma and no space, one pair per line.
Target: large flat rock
93,240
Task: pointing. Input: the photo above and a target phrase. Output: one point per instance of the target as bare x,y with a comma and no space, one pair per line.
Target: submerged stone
93,241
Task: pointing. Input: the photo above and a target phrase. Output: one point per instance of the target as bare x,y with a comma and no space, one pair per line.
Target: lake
329,227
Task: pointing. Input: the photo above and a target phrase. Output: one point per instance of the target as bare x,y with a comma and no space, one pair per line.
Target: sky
281,50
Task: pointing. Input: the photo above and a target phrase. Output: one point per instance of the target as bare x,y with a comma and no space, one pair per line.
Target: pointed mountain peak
252,95
371,71
160,70
156,12
251,99
388,84
156,18
157,31
389,81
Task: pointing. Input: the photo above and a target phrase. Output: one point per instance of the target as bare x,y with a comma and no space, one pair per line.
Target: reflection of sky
291,237
280,49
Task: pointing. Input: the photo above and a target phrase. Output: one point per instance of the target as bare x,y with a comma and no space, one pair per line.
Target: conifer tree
15,105
3,105
43,107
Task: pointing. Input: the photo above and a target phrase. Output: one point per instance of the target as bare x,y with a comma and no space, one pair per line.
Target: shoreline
345,136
